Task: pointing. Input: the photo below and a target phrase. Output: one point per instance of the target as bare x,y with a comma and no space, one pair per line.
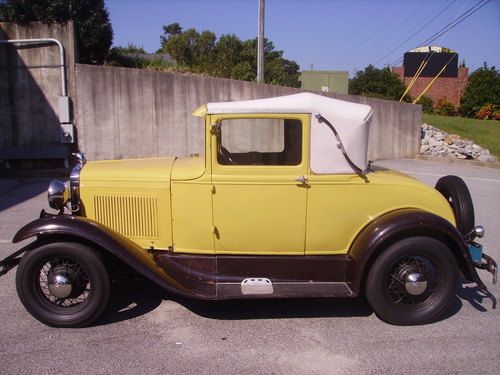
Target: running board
264,288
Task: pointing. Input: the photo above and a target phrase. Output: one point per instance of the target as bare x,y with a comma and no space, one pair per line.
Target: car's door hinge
213,189
215,128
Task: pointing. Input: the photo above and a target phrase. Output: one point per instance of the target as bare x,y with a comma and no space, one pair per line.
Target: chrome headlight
58,195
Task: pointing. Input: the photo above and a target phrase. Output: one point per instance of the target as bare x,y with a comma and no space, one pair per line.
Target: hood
150,169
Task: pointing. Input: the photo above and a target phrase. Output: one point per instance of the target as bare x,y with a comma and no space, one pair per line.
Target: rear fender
77,227
395,225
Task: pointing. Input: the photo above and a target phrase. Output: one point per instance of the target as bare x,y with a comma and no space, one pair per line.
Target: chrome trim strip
288,289
74,182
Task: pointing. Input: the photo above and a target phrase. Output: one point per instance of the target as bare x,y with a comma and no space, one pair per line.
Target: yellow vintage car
283,203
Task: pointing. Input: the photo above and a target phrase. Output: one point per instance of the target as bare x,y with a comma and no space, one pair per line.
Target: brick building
450,85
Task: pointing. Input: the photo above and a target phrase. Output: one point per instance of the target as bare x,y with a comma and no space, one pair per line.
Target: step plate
257,285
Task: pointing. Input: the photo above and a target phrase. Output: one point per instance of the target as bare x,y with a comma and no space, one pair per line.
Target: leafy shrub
427,104
488,112
483,88
132,57
377,83
445,108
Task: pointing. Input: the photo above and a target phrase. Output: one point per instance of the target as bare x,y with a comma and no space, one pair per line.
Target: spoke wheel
63,284
413,281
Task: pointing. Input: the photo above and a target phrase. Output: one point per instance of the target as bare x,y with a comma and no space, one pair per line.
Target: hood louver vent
132,216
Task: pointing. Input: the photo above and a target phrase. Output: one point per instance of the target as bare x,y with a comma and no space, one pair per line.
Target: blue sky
330,34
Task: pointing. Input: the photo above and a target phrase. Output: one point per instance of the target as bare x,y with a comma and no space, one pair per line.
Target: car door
259,201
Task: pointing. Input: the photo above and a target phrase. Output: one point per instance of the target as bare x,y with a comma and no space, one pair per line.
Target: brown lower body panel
220,276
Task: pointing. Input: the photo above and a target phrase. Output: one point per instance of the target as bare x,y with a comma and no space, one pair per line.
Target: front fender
398,224
109,240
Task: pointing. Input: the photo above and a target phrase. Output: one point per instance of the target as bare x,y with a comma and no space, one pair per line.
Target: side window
260,142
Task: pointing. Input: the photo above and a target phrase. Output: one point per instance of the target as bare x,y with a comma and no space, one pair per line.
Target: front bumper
482,260
490,265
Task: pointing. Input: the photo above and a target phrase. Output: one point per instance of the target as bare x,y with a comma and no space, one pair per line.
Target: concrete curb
470,163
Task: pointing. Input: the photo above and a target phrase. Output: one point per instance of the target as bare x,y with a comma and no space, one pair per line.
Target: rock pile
435,142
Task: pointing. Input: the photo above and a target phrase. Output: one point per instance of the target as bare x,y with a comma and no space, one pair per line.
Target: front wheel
63,284
413,281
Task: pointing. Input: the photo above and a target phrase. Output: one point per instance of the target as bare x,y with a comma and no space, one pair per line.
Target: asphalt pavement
148,331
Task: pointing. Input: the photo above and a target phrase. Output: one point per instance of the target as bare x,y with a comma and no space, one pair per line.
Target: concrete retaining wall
126,113
30,84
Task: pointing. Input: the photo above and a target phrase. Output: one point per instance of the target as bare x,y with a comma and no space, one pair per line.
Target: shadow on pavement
476,297
14,191
132,298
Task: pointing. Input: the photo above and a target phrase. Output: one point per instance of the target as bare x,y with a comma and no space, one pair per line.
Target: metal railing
46,40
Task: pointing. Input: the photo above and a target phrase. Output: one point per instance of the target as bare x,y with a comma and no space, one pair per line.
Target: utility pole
260,43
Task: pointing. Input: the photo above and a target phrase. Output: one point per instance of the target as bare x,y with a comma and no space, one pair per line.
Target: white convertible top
351,120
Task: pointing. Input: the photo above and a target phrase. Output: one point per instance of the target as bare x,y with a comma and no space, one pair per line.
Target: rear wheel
63,284
457,194
413,281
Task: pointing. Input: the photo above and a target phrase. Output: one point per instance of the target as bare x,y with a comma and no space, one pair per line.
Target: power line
455,22
372,34
451,24
352,34
385,37
415,33
456,16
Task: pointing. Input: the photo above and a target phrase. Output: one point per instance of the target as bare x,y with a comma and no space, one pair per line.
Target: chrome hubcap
63,282
413,280
59,285
415,283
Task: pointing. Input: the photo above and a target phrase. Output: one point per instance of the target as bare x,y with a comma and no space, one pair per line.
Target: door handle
301,179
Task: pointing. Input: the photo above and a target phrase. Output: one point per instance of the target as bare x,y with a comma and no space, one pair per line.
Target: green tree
227,56
94,33
483,88
426,103
172,29
379,83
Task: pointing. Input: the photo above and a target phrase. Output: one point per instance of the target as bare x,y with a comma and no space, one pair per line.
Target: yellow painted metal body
131,197
192,220
340,206
259,209
195,205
